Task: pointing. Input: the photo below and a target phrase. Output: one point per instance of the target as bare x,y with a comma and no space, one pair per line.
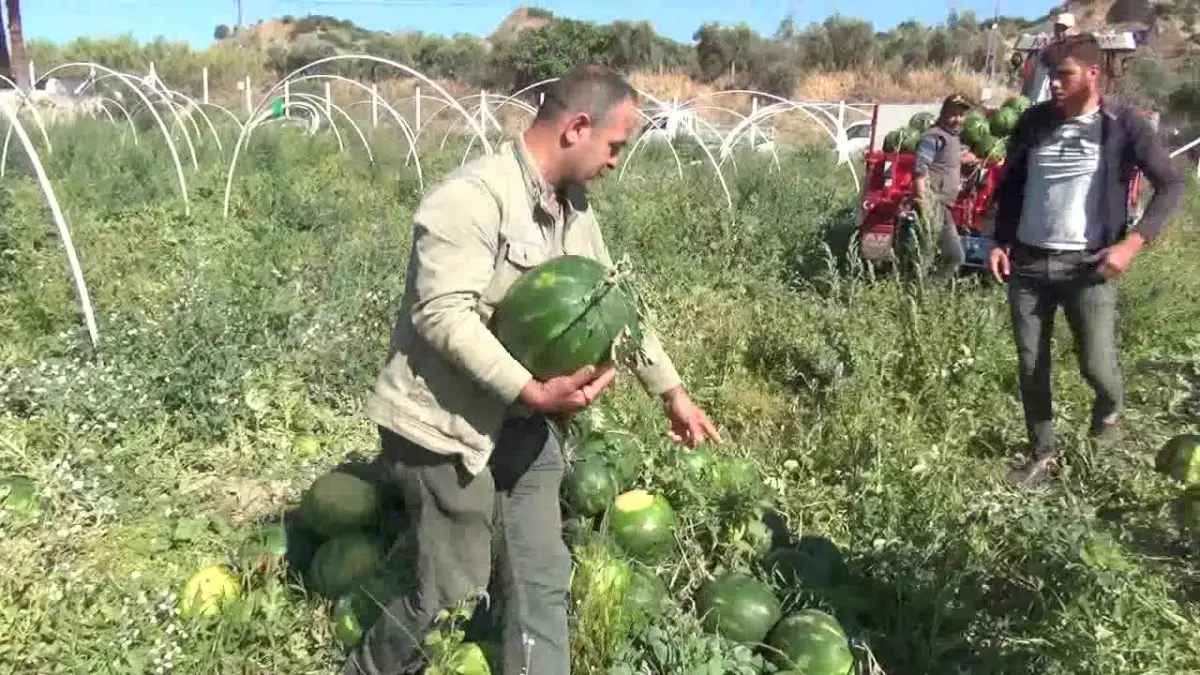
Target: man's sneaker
1043,464
1106,433
1034,472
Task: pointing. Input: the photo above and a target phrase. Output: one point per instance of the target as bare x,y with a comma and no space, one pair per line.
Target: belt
1055,253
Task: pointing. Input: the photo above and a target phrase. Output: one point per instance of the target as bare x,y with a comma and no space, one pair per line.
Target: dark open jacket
1128,143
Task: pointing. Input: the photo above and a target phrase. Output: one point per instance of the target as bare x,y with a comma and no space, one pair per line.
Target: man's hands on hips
1117,258
999,263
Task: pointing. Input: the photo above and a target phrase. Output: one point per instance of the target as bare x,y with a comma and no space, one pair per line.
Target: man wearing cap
937,178
1064,25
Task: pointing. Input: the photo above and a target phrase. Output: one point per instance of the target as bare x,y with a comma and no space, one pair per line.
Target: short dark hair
1084,48
594,90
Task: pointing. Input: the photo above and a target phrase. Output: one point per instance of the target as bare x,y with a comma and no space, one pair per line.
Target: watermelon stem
634,356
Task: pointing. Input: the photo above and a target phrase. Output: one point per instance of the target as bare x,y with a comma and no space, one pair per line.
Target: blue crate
977,249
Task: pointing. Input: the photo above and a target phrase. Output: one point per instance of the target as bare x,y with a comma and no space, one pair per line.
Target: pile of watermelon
346,543
630,536
983,134
986,136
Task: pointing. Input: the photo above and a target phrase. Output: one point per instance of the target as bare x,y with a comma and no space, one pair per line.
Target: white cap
1065,19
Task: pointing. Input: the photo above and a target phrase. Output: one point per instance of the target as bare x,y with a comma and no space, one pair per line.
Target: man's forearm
453,327
658,375
1168,182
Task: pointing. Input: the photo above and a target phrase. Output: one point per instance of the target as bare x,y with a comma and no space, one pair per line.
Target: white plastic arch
1195,142
741,117
37,116
691,110
837,135
647,95
127,81
340,57
405,127
313,123
64,232
106,101
409,134
488,114
315,100
171,105
194,105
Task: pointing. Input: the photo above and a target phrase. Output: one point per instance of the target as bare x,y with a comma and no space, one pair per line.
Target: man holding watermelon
1063,235
465,427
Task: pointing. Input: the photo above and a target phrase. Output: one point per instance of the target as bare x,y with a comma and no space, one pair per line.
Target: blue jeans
1042,281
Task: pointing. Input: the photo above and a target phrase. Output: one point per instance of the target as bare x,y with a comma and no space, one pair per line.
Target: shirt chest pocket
518,257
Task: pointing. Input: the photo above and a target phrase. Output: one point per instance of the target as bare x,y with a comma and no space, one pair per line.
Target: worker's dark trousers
1041,281
514,502
951,254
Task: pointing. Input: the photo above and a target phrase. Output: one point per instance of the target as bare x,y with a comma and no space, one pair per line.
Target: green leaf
189,529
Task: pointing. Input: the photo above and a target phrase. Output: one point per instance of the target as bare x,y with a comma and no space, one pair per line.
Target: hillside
881,64
840,58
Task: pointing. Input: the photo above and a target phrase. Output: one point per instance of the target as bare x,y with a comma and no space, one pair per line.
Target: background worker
1063,237
937,179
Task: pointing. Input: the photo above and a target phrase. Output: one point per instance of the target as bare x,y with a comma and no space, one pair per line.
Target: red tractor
886,210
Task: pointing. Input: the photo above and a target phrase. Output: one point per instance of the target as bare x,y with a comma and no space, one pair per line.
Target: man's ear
577,126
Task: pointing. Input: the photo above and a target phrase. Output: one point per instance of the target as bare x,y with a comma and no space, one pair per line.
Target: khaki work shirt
448,383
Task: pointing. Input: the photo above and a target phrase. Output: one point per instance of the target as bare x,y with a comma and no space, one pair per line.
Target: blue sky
194,20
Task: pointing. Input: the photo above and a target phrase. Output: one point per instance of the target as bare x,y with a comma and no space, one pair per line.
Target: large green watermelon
646,594
922,121
565,314
738,607
736,474
1004,121
339,503
590,421
695,461
904,139
344,561
975,128
1187,512
590,486
358,608
990,148
642,524
1019,103
811,642
265,551
1179,458
812,563
19,496
600,574
463,658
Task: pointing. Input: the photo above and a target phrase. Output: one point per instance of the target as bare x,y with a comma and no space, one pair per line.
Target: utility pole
991,66
241,9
